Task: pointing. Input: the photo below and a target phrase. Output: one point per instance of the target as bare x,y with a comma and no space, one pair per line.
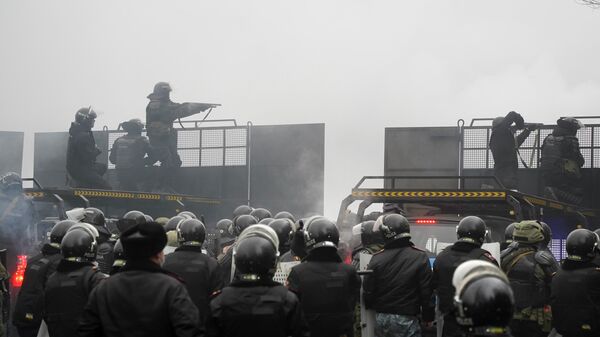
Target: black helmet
285,215
508,233
547,231
392,227
472,230
59,230
148,218
485,304
11,182
85,115
191,232
173,222
161,90
222,228
94,216
240,223
392,208
266,221
242,210
131,219
188,215
261,213
283,227
570,124
133,125
79,245
367,236
320,232
255,258
581,245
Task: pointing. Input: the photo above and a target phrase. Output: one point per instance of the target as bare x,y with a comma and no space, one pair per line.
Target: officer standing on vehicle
328,289
142,299
161,112
128,153
27,315
399,287
576,287
505,147
67,290
82,152
199,271
561,161
530,271
484,301
253,304
471,232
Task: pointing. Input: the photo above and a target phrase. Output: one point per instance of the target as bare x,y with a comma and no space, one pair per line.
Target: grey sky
358,66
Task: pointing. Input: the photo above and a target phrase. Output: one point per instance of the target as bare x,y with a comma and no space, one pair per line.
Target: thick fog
356,65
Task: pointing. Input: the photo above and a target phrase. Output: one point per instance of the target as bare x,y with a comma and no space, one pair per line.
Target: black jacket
81,149
558,147
29,306
401,281
263,308
503,142
65,296
575,299
225,266
200,273
328,290
141,300
446,263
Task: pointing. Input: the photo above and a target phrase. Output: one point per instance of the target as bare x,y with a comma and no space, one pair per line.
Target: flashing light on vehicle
19,275
426,221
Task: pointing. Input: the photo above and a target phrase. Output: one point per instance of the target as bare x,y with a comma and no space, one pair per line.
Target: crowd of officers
165,281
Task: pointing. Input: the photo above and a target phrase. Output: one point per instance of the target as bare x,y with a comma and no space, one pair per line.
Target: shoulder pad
379,252
544,258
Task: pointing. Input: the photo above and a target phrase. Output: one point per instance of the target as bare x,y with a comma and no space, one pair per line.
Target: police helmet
85,115
528,232
283,228
148,218
547,231
285,215
320,232
570,124
79,244
242,210
87,227
188,215
581,245
365,231
133,125
508,233
261,213
255,258
471,229
131,219
392,207
240,223
392,227
59,230
266,221
161,89
173,222
222,227
94,216
11,181
191,232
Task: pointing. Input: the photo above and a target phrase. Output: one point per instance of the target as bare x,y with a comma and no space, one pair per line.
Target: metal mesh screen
558,248
475,139
212,157
212,138
474,159
235,156
235,137
188,139
585,137
283,271
189,158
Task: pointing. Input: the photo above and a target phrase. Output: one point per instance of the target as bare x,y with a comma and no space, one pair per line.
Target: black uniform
66,294
81,159
561,162
141,300
225,266
128,154
401,281
530,273
576,299
262,308
200,273
27,315
443,270
328,292
504,146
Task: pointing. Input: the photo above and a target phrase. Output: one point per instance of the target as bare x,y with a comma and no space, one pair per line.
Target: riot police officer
226,238
471,232
561,161
161,112
237,227
67,290
95,217
128,153
82,152
255,305
484,301
283,228
261,213
576,287
530,271
27,315
505,147
199,271
399,287
328,289
370,242
120,258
